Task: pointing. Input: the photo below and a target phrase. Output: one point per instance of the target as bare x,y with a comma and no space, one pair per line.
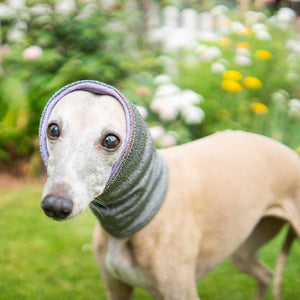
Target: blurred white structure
183,29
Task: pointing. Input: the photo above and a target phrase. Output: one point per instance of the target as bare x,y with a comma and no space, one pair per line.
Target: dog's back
232,179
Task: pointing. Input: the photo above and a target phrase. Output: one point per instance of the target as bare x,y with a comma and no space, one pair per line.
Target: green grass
44,259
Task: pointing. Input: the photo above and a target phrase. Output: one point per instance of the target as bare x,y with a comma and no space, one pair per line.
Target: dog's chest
120,263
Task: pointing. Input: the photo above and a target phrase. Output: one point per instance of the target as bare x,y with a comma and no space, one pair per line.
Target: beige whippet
226,195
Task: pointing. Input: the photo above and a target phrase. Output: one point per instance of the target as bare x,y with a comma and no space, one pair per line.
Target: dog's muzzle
57,208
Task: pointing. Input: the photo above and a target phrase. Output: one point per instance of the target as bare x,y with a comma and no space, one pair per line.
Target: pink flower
4,51
143,91
156,131
33,53
167,140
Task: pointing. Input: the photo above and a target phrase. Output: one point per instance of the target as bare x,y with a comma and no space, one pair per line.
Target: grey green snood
139,180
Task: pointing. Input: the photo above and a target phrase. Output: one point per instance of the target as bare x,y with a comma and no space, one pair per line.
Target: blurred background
192,68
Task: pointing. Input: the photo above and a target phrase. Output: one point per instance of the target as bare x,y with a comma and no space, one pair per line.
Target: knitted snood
138,182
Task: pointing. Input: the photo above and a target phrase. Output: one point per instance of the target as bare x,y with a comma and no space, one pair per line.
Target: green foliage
73,47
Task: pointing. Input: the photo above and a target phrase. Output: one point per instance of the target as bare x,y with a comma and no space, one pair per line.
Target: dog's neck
137,189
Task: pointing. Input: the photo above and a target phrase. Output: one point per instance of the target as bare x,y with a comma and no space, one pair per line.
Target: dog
225,195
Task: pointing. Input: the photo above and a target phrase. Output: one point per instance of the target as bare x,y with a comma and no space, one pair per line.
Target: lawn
44,259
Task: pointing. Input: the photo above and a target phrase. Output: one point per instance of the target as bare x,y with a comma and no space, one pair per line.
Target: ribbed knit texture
139,180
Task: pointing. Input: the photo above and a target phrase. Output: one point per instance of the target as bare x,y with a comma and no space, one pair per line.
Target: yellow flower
231,86
224,41
232,75
263,54
298,150
259,108
226,22
249,30
243,45
252,83
246,31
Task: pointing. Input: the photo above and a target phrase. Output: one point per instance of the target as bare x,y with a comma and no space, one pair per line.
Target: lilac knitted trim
92,86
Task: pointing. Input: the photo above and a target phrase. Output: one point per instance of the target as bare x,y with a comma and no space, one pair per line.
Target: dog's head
99,152
82,140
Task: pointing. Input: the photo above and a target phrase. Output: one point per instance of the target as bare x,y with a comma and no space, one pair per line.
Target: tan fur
228,194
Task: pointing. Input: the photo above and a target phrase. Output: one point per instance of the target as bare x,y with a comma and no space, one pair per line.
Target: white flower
22,25
201,48
294,107
156,131
223,61
263,35
15,34
217,68
207,36
168,113
280,96
179,38
33,53
238,27
193,115
293,45
252,17
292,76
169,64
286,14
261,32
41,9
87,11
259,27
167,90
143,111
220,10
272,21
242,60
157,104
65,7
243,51
294,103
162,79
167,140
6,12
43,19
17,4
211,53
191,97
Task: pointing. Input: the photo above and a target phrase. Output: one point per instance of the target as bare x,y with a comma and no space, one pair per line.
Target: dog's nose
57,208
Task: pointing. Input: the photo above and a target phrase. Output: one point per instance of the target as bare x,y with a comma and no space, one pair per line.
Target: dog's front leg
178,289
116,289
173,280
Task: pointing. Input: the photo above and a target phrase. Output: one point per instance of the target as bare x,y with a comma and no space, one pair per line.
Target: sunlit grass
44,259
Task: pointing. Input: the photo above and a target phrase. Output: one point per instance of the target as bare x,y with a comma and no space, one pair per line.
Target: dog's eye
53,131
110,142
